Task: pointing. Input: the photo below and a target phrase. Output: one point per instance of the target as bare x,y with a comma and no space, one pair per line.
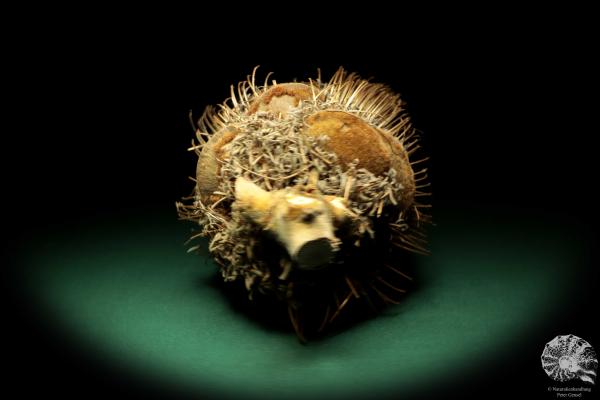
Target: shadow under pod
271,314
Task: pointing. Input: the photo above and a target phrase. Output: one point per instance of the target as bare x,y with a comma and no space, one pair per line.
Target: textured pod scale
308,191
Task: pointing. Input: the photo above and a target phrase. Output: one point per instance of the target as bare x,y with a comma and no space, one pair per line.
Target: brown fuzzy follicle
352,138
208,167
281,98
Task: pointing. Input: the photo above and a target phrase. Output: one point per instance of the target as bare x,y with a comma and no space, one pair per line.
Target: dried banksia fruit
307,192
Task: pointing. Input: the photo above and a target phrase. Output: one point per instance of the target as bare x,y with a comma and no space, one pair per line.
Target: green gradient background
128,292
